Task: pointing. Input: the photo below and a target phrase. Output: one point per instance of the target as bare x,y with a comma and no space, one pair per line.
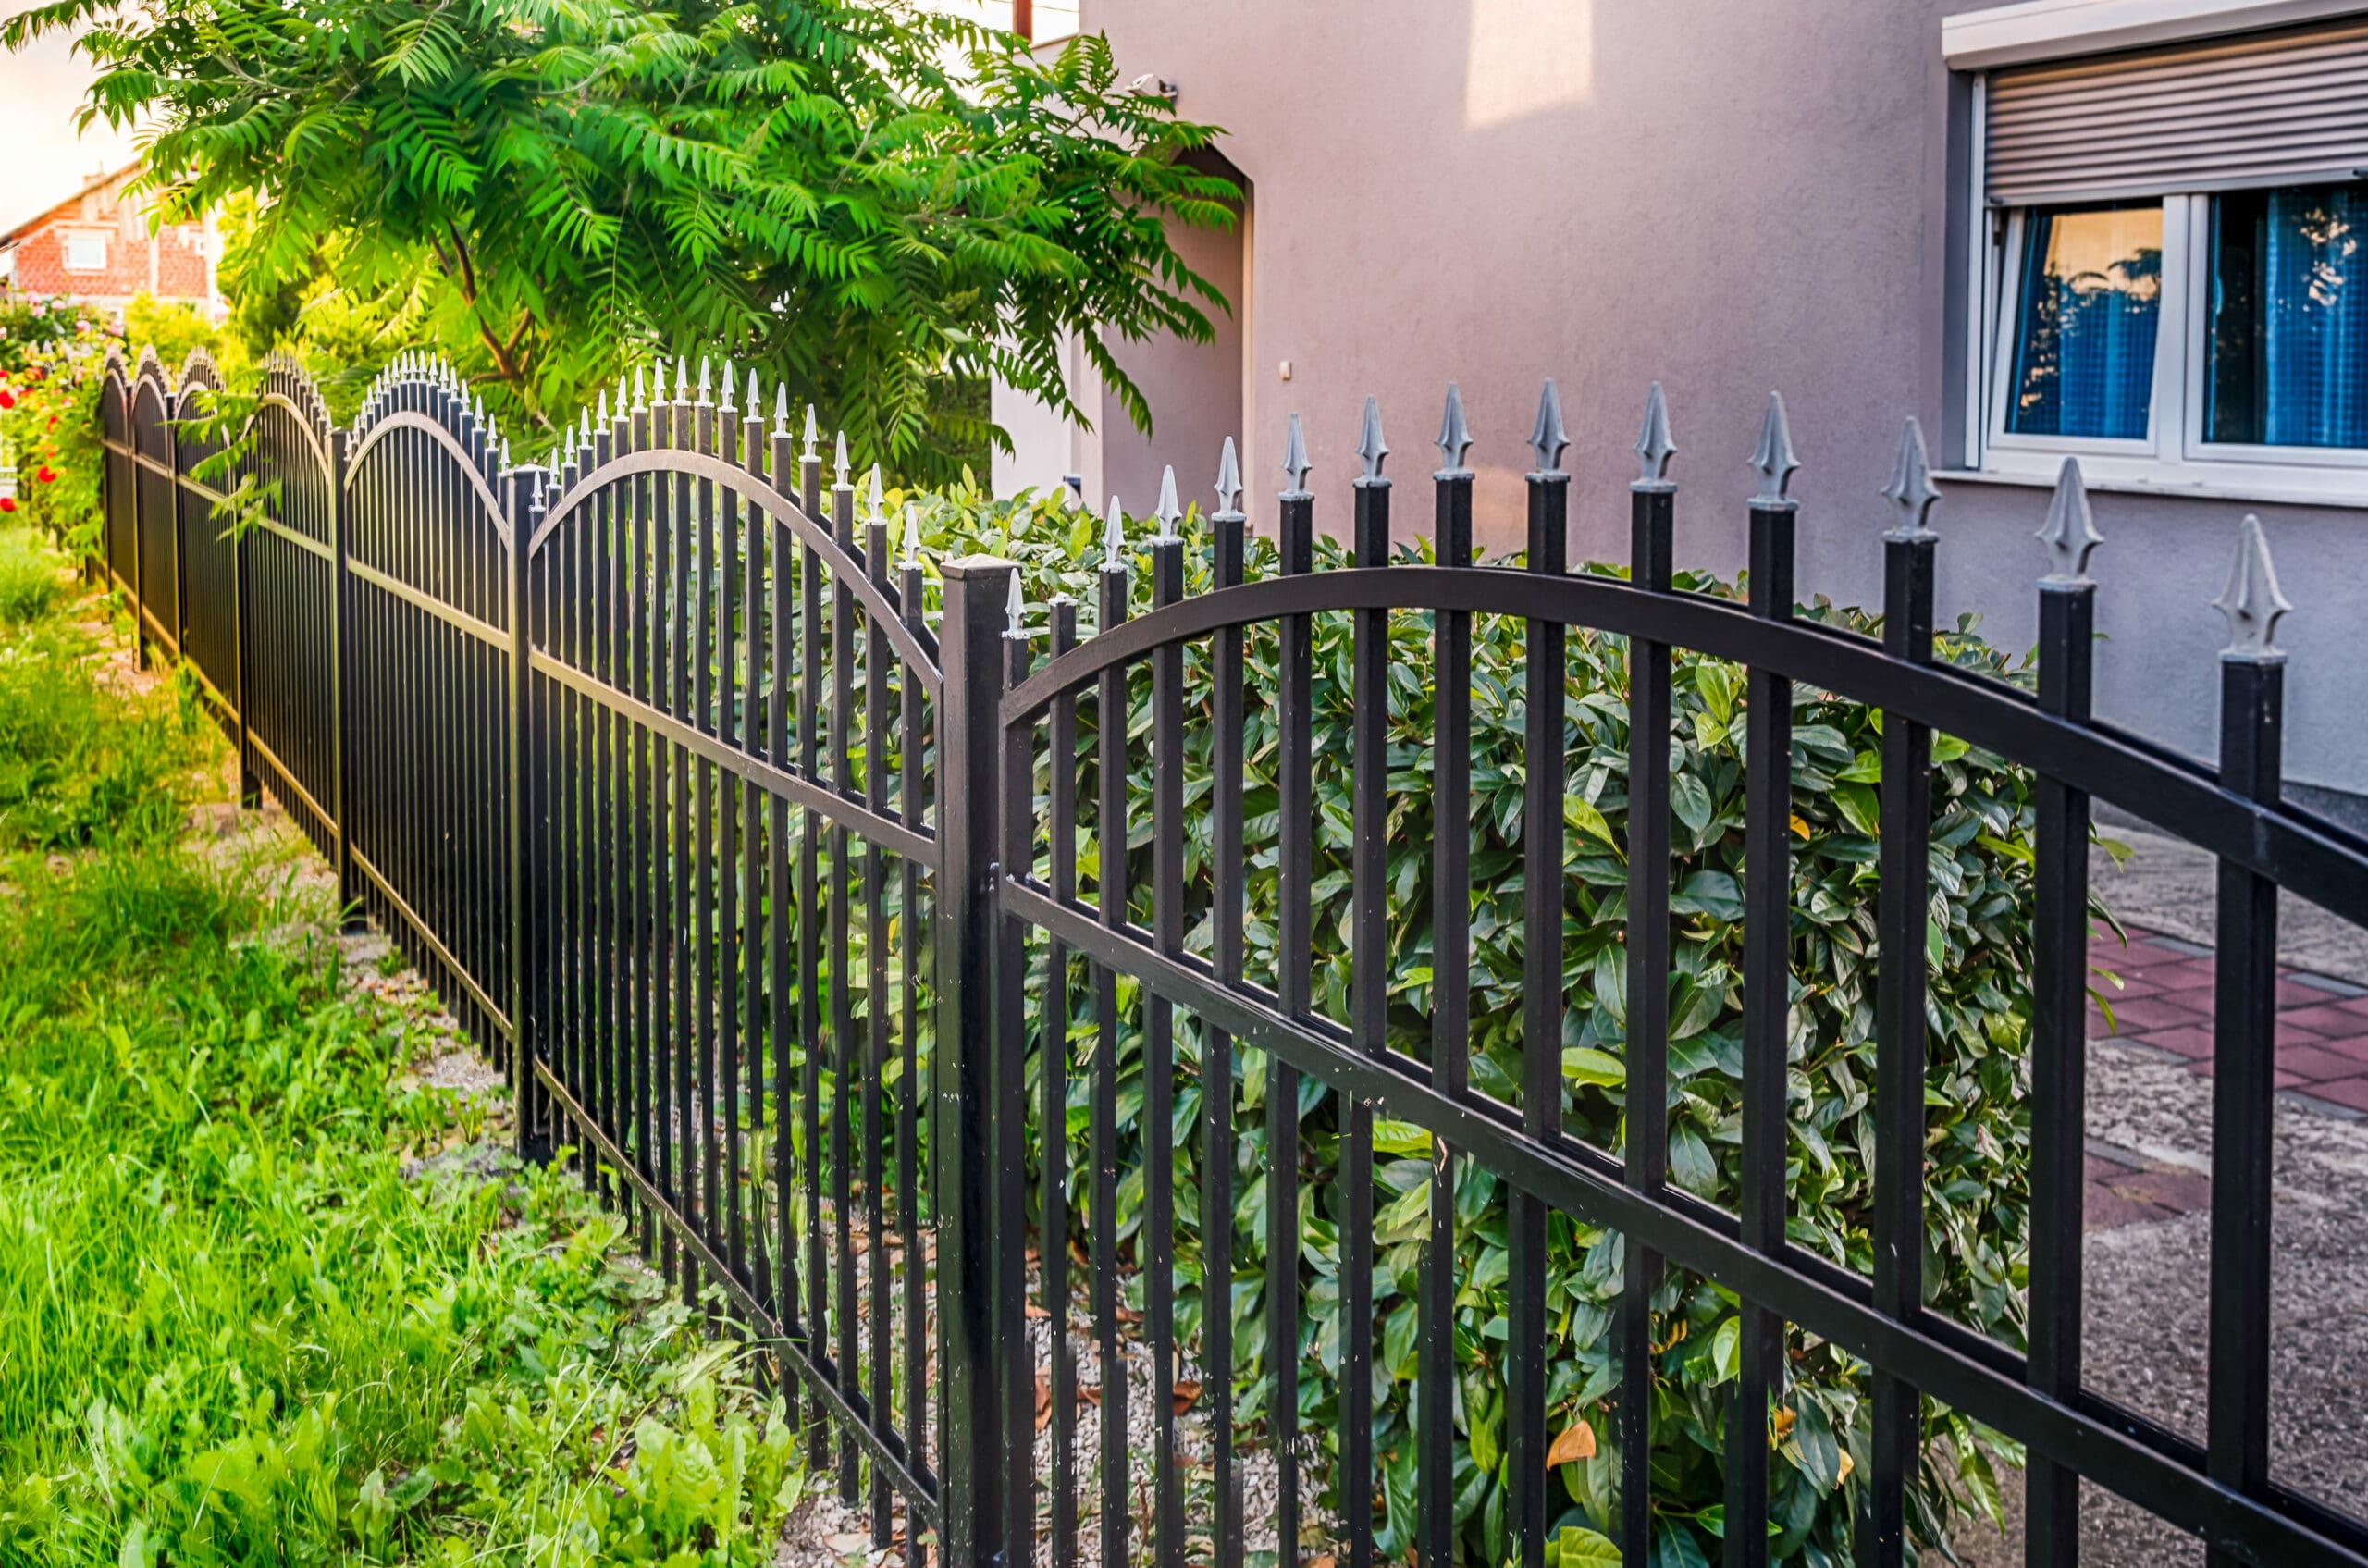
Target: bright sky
40,90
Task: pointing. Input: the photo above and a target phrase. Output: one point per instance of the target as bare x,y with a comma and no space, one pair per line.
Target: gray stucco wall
1727,198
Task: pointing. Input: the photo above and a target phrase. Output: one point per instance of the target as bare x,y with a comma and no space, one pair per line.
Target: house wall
1729,199
172,263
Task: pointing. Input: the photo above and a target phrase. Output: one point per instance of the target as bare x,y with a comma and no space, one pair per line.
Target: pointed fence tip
781,408
1168,513
729,405
1015,606
703,379
1295,462
872,513
1772,460
2251,600
2070,532
912,535
839,463
1547,439
1911,491
1455,435
1114,538
1654,446
681,380
1371,448
1228,479
640,391
753,407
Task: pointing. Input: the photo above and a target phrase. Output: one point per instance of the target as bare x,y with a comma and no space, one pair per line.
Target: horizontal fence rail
943,993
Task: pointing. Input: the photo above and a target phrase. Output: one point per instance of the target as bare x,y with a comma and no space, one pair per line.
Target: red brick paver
2162,1001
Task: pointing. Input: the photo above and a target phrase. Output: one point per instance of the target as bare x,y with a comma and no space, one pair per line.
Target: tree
878,205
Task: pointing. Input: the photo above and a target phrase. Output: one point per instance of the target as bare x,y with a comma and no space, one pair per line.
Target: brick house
96,245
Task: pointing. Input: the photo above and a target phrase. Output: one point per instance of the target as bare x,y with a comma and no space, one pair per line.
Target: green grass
265,1299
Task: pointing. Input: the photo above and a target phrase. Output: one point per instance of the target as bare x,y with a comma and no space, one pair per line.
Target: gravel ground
2167,885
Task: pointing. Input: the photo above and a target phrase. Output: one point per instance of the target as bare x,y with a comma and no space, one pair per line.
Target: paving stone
2194,1042
2328,1019
2314,1063
2155,1012
2351,1091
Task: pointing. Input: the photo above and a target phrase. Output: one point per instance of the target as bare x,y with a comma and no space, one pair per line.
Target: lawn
267,1294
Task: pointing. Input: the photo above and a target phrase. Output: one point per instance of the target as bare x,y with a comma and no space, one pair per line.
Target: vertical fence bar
1009,1112
1450,985
341,677
780,655
1227,529
522,518
878,743
1053,1069
1548,492
1159,1064
1652,506
2067,610
1110,836
1766,1003
971,1488
1905,806
2244,1029
914,732
1294,979
809,920
1369,982
845,1062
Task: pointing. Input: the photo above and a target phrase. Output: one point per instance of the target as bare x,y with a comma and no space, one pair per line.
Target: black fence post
133,465
241,686
341,683
521,832
971,644
2244,1028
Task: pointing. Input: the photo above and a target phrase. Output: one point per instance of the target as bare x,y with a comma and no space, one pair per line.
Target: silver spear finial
873,512
1773,459
1455,438
703,380
604,408
1371,448
729,406
912,535
1654,448
640,392
754,407
813,434
1114,538
1295,462
2070,531
1911,491
781,409
1228,479
1014,607
1548,439
2251,600
1168,512
839,461
681,380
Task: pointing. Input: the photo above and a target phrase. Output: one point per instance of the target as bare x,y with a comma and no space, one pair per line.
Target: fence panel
730,861
118,542
424,539
157,506
290,700
1158,1040
208,555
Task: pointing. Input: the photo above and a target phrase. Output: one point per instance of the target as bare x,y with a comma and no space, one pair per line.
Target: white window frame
72,242
2175,459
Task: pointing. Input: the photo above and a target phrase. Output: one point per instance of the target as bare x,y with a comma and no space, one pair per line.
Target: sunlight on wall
1526,57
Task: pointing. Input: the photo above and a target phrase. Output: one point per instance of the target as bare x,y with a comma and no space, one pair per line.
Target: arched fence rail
810,918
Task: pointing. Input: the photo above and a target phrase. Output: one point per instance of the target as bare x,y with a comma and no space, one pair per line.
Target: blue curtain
2314,318
2085,360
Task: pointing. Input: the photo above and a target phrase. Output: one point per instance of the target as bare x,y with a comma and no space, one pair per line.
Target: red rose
46,474
7,399
7,503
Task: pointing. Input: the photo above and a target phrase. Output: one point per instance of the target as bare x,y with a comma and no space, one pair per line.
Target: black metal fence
775,901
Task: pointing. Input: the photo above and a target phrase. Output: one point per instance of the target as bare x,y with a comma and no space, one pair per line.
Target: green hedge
1980,949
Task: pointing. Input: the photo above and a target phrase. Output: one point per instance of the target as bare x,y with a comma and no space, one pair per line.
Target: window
86,253
2286,326
2172,279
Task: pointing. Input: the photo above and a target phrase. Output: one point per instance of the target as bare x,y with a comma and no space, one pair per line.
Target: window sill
2348,489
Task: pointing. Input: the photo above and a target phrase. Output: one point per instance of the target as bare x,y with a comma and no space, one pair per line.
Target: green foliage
51,352
267,1300
29,585
1978,950
877,204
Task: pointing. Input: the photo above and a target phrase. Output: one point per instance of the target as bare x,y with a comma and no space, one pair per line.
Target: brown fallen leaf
1185,1394
1043,1402
1125,1317
1326,1560
1078,1252
1090,1393
847,1545
1781,1425
1577,1441
1033,1310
